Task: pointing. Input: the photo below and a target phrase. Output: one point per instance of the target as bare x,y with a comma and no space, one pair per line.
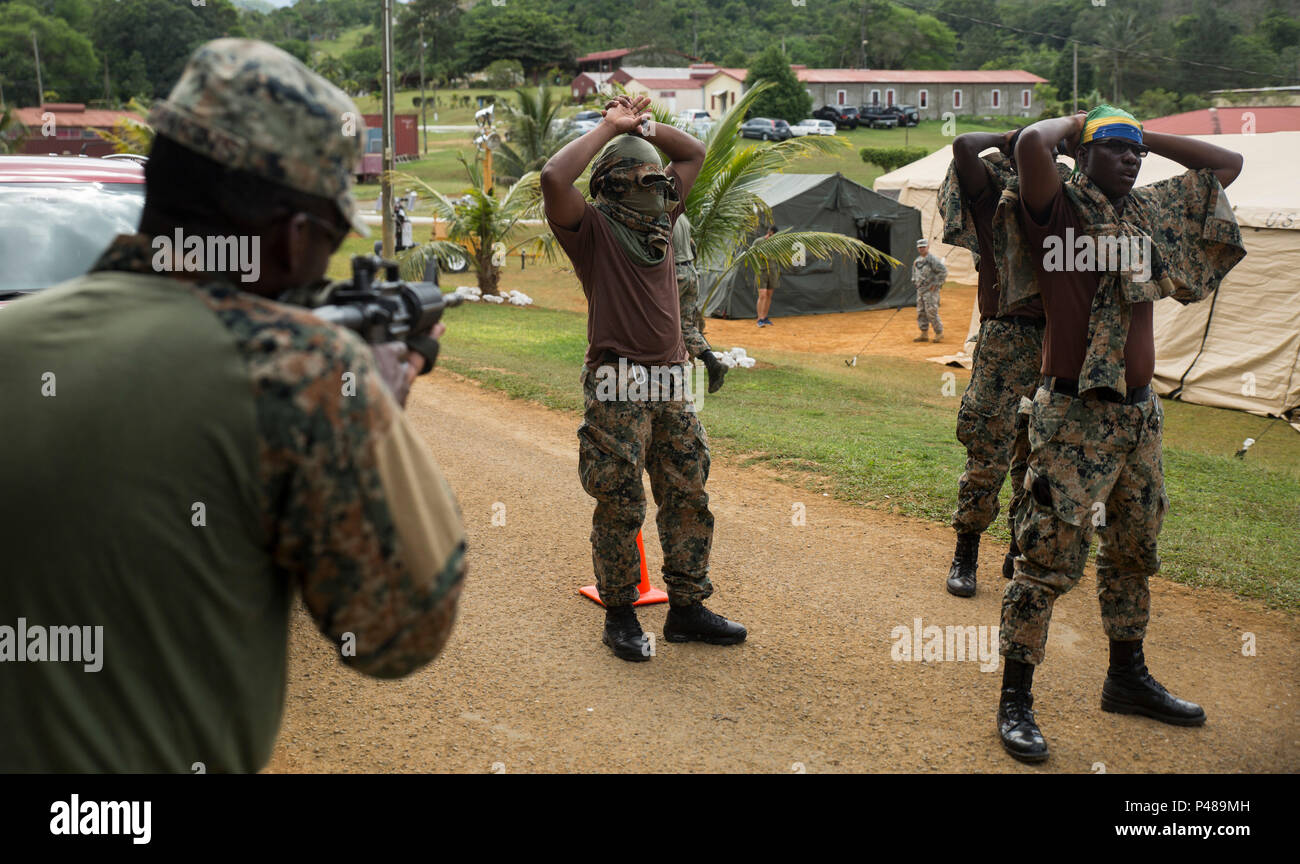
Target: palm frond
415,260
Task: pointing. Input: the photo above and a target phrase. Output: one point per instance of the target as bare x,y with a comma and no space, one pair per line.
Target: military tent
824,202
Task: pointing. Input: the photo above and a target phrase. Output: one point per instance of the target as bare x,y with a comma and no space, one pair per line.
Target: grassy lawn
881,435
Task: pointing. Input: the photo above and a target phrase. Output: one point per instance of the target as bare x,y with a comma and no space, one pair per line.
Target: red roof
917,76
72,114
605,55
66,169
1232,120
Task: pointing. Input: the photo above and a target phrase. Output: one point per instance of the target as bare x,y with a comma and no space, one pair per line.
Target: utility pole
423,129
386,181
106,94
40,88
1074,105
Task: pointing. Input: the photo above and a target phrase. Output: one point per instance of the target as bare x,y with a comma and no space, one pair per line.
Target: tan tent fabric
1239,349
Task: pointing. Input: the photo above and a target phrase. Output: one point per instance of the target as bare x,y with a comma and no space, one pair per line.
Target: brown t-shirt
1067,300
987,295
633,311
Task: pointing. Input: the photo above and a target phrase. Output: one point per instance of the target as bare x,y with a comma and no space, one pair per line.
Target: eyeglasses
1117,148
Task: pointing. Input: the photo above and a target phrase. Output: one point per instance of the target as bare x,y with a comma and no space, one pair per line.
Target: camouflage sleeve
955,210
688,294
1195,233
354,508
940,273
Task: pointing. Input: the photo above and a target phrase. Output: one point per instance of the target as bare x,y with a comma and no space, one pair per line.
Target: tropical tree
535,129
725,209
478,225
129,134
12,133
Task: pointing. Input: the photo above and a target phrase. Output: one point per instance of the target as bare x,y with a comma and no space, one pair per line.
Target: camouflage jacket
928,272
958,221
1194,241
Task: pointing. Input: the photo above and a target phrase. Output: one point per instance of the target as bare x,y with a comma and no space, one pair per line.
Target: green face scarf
635,196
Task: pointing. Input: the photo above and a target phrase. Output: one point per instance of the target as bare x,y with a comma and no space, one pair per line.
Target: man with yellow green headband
635,417
1099,252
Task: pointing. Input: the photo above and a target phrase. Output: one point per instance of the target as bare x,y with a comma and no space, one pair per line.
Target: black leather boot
961,576
694,623
1016,727
1130,689
1009,562
623,634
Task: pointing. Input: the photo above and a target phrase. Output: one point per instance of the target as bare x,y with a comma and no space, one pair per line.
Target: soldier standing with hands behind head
622,252
928,275
1095,429
209,452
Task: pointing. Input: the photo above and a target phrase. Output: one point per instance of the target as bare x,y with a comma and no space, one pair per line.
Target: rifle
387,309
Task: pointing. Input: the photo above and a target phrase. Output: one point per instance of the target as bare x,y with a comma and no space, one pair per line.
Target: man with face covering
183,454
1095,428
635,420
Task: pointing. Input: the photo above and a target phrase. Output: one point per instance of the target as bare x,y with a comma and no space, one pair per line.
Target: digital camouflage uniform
1095,466
219,453
620,438
688,288
928,275
635,421
1004,368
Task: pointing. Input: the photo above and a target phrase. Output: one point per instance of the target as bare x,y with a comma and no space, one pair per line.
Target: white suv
813,127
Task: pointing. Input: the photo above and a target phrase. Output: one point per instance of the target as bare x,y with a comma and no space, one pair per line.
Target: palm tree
725,210
535,132
479,224
12,133
128,134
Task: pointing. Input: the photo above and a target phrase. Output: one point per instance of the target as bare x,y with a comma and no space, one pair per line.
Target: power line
1069,39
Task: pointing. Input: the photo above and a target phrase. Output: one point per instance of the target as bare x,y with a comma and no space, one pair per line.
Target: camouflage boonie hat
252,107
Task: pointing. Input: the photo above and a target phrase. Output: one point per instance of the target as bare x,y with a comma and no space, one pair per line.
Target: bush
890,158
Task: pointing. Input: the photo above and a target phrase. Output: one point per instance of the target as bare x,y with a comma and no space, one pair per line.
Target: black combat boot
1130,689
623,634
694,623
1009,562
961,576
1016,727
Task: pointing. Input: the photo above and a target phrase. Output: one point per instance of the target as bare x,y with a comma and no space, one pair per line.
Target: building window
839,97
956,99
925,99
875,97
1024,98
889,98
575,93
713,101
997,98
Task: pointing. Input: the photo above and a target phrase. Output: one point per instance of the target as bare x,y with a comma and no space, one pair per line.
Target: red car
58,213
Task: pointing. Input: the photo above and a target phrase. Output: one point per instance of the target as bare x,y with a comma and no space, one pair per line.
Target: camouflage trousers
616,441
1004,368
927,310
1093,466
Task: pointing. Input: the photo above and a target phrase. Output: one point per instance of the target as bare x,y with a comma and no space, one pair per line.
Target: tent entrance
874,277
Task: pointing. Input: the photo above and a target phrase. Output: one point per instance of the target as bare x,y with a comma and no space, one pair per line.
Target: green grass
345,42
881,435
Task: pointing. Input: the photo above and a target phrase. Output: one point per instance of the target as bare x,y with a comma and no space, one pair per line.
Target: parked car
693,115
813,126
58,213
843,116
766,129
584,121
908,115
878,117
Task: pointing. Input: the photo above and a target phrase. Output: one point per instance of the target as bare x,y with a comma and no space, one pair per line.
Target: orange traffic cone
648,595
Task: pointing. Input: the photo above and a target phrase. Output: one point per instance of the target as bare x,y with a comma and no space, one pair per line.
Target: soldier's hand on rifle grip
397,366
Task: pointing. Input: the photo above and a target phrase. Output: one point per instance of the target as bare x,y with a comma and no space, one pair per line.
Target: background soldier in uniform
688,294
621,251
768,281
1095,428
928,275
208,452
1008,353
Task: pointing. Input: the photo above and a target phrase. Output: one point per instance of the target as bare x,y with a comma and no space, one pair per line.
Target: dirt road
526,686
